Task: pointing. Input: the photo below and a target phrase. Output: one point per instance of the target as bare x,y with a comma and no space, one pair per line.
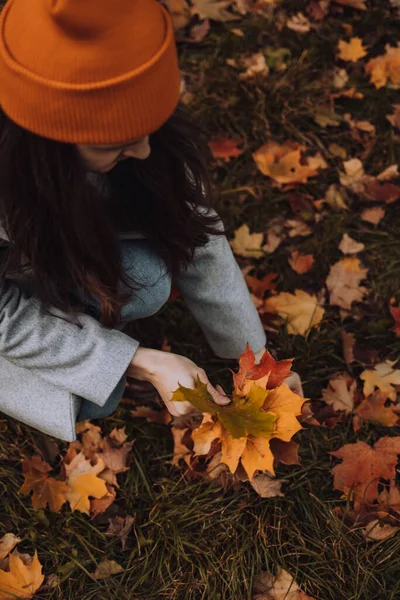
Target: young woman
104,201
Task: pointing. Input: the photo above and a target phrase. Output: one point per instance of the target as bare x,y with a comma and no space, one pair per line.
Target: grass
194,541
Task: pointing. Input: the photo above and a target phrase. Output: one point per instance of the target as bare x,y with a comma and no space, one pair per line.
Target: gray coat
50,362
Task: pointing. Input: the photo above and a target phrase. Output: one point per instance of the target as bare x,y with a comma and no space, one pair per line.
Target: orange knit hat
88,71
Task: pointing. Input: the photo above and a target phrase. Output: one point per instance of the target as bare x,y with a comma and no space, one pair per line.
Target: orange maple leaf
21,575
364,465
285,163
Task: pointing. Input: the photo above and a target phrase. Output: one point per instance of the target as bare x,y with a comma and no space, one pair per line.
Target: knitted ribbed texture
88,71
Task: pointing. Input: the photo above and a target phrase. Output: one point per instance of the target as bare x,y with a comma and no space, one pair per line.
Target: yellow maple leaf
22,575
352,50
383,377
247,244
83,482
300,310
285,163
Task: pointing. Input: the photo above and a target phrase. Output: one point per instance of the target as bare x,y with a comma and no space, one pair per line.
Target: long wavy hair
65,230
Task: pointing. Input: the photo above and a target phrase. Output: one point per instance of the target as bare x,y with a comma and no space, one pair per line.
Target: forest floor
193,540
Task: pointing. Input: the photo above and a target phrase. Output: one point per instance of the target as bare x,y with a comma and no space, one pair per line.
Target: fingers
218,394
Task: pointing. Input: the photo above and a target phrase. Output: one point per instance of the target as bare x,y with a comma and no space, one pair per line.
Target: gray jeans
141,262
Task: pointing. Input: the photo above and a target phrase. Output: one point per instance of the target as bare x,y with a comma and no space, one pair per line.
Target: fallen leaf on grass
350,246
299,23
121,527
46,490
281,587
373,215
383,377
106,568
359,4
301,263
363,466
260,286
341,392
267,486
343,282
254,65
247,244
300,310
21,575
297,227
385,68
371,188
374,409
217,10
352,50
285,164
225,148
285,452
374,531
83,481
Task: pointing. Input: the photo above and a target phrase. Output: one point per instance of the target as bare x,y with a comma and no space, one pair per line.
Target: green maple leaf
242,417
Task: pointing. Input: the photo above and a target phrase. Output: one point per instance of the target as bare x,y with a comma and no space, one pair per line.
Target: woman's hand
293,381
166,371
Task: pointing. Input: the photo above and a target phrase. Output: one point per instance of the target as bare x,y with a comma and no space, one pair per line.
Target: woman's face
104,158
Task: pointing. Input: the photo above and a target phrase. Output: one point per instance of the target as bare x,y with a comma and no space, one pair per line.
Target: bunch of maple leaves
250,435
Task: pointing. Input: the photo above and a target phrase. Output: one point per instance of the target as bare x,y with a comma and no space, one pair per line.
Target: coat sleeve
215,291
84,358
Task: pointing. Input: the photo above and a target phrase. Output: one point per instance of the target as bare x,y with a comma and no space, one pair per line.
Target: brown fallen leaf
281,587
383,377
343,282
20,574
350,246
341,392
374,531
46,490
373,215
285,452
225,148
106,568
363,466
300,310
353,50
121,527
260,286
301,263
267,486
247,244
374,409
